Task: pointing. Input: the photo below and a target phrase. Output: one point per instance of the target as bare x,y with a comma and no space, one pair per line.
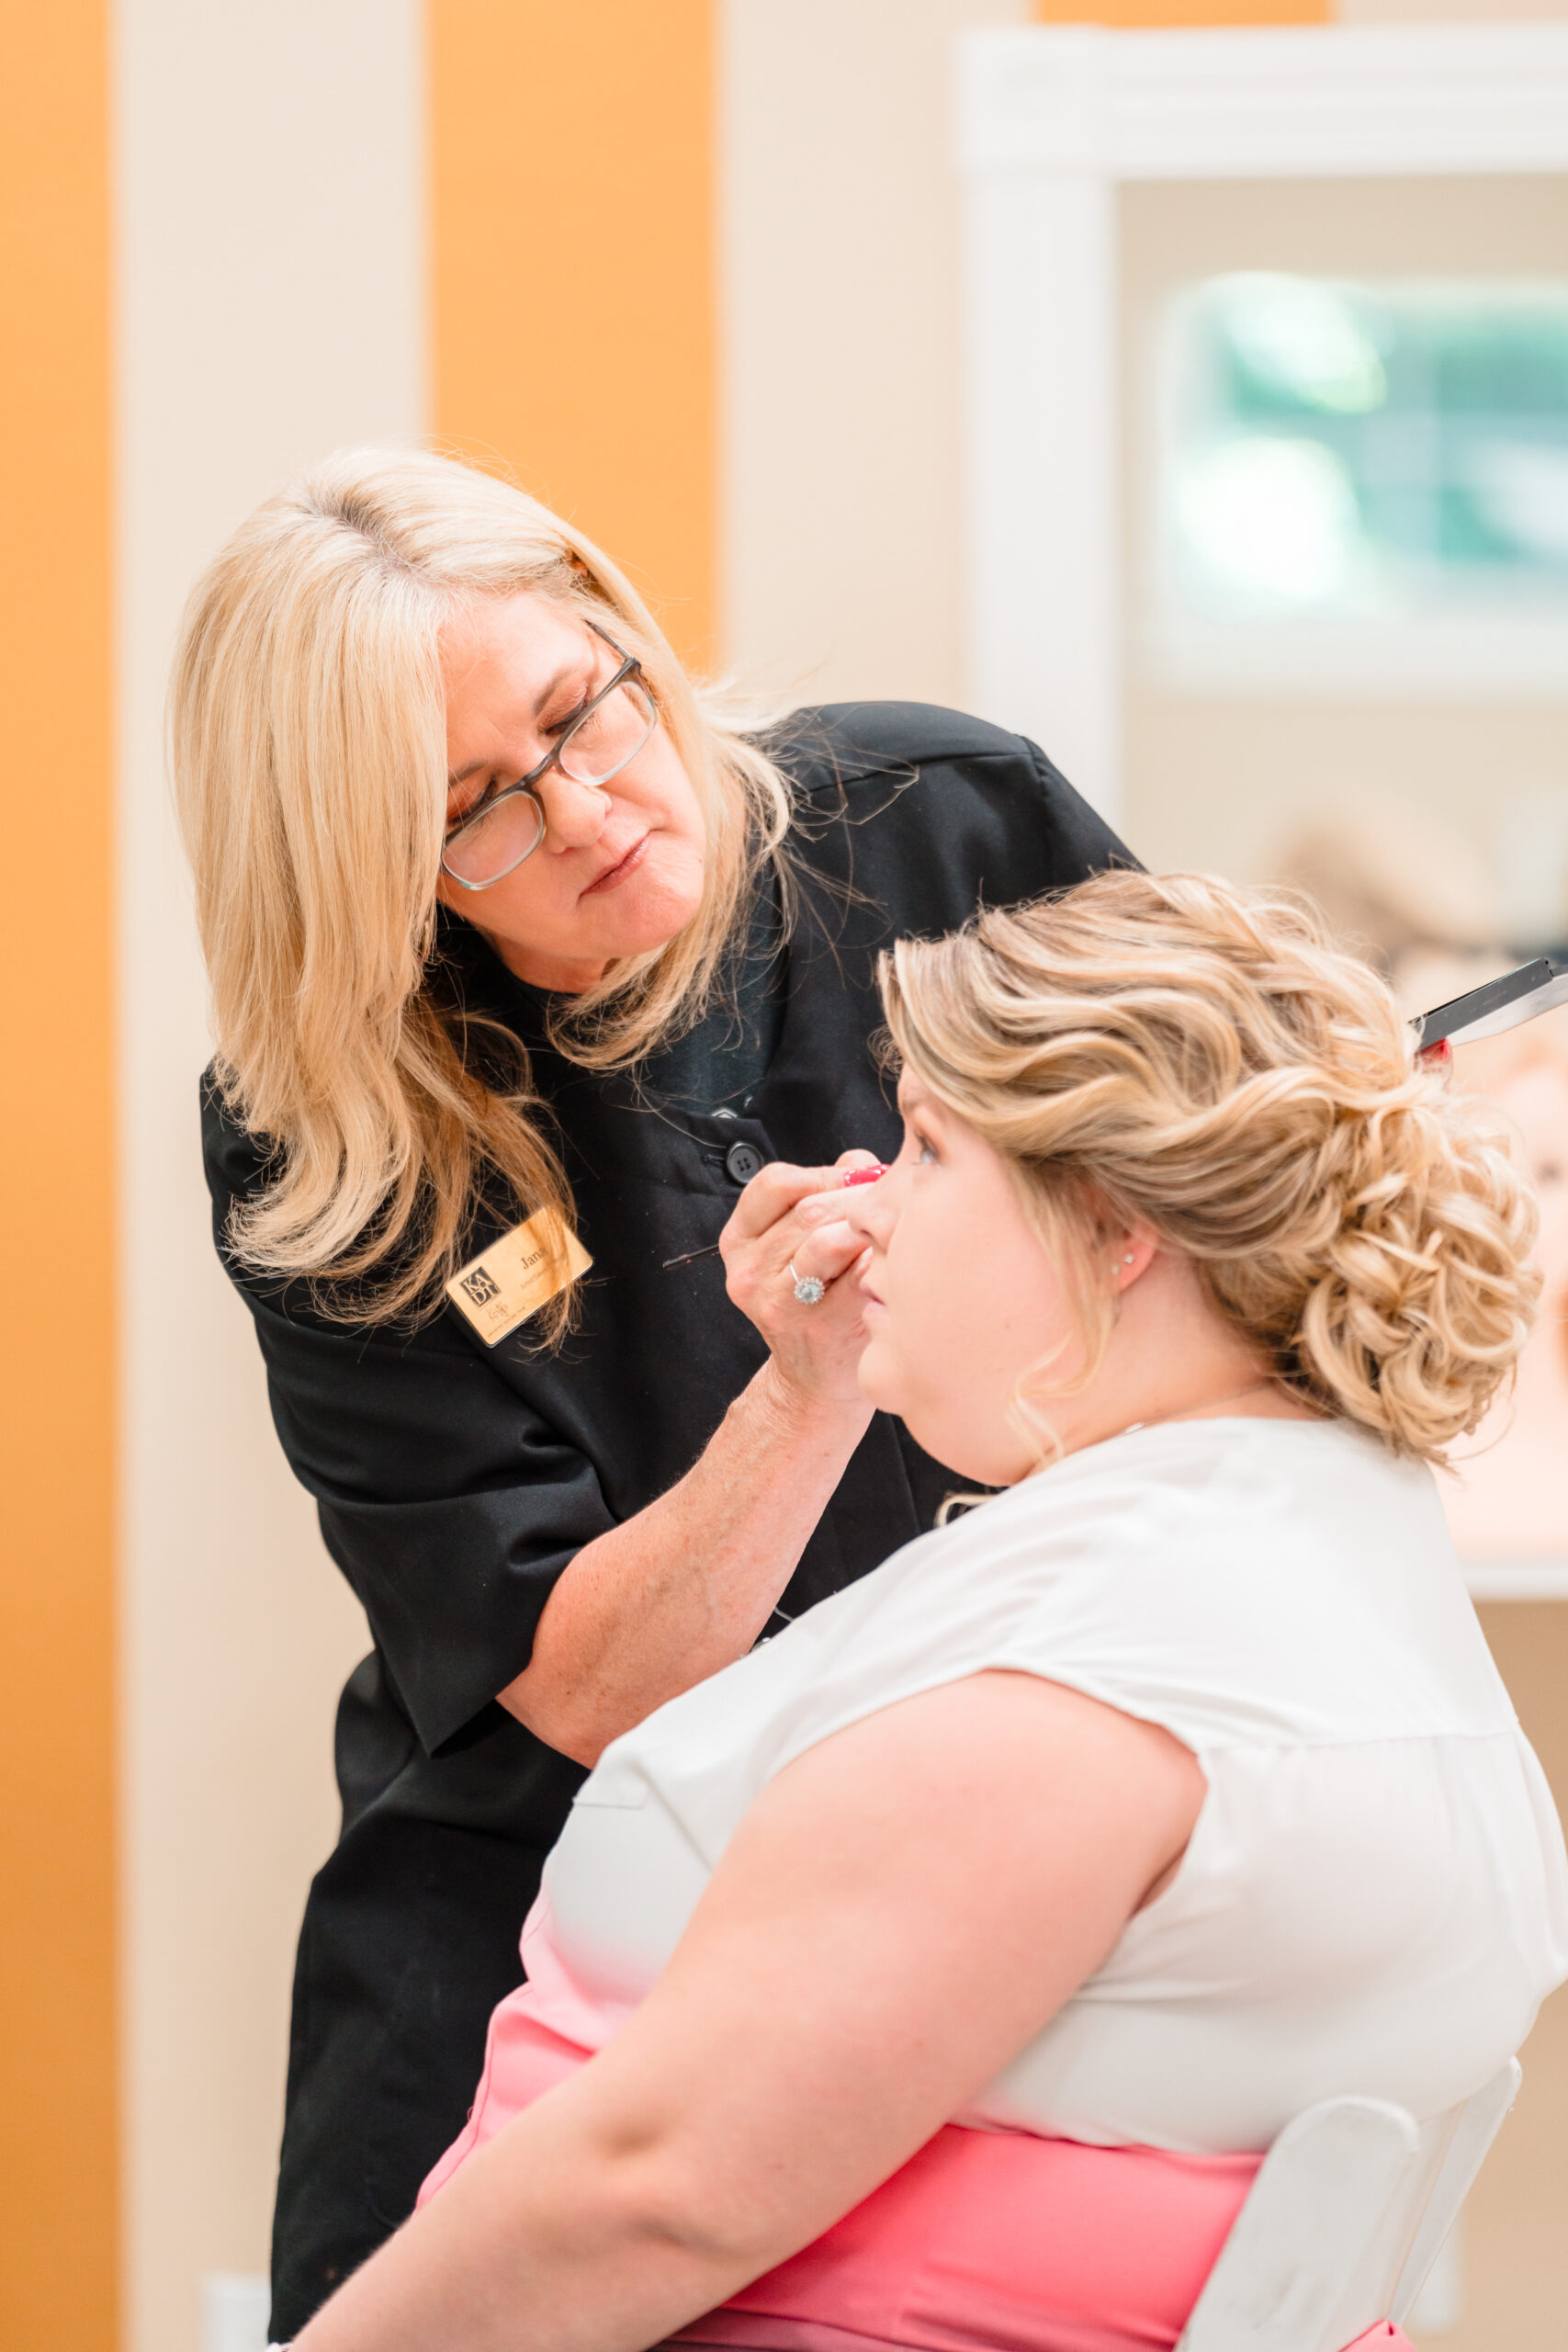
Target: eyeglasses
605,736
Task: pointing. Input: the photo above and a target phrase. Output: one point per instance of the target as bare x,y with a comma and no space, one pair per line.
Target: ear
1133,1251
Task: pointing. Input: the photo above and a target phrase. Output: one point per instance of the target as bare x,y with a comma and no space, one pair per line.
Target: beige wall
841,511
270,294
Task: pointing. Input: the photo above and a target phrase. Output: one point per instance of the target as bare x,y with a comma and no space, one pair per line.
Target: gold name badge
514,1277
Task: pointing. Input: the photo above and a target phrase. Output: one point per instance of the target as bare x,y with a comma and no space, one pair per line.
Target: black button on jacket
455,1481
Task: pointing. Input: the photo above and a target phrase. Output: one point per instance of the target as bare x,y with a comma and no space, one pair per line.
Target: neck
1263,1388
560,975
1172,1358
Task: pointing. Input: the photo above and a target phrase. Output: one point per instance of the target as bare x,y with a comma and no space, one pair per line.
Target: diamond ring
808,1288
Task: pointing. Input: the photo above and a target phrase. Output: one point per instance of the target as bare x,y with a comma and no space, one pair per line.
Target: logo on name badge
513,1278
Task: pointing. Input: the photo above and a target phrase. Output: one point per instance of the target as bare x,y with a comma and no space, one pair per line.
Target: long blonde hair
1177,1052
308,738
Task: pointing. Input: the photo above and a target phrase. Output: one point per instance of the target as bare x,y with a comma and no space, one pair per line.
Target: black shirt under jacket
455,1482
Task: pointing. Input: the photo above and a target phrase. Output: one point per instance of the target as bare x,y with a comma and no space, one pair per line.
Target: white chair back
1343,2222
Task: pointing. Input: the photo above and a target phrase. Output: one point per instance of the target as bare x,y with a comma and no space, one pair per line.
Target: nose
869,1209
575,814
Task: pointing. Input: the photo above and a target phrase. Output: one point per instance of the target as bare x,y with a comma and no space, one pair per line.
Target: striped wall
691,271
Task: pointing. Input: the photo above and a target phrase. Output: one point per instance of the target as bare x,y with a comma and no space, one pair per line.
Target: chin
931,1429
877,1373
667,896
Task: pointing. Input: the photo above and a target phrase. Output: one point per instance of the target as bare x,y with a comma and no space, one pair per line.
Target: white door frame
1049,121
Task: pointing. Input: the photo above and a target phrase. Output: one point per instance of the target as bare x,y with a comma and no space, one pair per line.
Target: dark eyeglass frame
629,672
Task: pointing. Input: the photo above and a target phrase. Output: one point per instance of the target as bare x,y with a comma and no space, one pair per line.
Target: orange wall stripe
58,2149
1133,15
574,271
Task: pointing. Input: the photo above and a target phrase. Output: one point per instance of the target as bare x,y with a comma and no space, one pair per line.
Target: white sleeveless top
1375,1898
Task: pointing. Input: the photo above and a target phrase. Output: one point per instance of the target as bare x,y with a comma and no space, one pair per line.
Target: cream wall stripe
841,510
270,279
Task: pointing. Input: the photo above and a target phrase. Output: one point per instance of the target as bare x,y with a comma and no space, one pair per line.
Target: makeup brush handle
691,1257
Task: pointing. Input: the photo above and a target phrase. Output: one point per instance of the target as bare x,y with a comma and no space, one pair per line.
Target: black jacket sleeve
448,1504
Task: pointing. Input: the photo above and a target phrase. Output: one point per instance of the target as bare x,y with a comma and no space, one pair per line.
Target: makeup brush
855,1176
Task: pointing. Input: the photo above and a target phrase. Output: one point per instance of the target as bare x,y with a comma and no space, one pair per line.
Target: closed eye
586,689
471,806
559,726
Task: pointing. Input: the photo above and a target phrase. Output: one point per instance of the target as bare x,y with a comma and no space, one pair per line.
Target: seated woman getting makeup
937,1974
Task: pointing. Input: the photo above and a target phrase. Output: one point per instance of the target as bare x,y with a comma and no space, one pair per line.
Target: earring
1129,1258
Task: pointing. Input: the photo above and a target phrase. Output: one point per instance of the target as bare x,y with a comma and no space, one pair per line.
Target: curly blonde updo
1176,1052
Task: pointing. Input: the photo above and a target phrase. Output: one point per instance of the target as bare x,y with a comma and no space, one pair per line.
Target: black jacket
455,1481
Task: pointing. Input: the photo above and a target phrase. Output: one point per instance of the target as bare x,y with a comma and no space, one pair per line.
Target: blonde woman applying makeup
528,960
935,1976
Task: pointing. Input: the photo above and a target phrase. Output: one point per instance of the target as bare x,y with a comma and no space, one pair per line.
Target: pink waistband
1001,2240
772,2336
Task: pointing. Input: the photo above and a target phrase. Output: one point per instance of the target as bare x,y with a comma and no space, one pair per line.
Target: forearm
544,2243
686,1586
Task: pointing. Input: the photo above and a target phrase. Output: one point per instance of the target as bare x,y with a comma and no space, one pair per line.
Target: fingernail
865,1175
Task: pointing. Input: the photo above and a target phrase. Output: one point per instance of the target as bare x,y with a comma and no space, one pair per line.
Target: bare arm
900,1912
686,1586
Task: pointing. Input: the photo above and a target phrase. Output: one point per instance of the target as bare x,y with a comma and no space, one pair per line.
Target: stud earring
1129,1258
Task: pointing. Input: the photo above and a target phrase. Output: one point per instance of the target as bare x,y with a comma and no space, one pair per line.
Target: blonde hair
309,750
1179,1053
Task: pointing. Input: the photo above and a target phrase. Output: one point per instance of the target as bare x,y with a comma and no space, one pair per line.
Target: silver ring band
808,1288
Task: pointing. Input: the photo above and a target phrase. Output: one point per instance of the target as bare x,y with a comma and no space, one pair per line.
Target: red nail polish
865,1175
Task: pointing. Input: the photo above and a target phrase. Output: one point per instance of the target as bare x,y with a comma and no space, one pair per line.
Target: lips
626,864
